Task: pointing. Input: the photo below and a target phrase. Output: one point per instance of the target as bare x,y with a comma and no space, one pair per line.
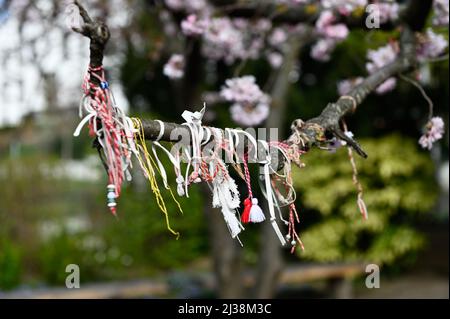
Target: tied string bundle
208,166
112,129
150,165
205,164
284,192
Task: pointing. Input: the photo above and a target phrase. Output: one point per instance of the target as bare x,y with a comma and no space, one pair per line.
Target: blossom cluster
174,68
434,131
441,12
331,34
431,45
380,58
250,104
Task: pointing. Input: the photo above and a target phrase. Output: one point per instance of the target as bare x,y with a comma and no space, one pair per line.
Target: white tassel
226,196
256,213
229,216
180,186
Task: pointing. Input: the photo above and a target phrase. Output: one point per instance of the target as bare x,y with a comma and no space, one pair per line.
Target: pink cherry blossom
325,19
380,57
434,132
243,90
263,25
325,26
275,59
192,26
223,40
441,12
345,86
249,116
388,11
322,49
175,4
431,46
251,105
174,68
337,31
386,86
278,37
189,6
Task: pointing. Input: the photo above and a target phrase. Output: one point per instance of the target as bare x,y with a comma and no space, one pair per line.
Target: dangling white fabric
269,192
226,196
275,201
194,123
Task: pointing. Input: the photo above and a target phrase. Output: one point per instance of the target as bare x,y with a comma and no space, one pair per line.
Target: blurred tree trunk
226,253
270,261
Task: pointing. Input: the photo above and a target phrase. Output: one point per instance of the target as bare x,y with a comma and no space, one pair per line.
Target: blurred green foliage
48,221
10,264
399,185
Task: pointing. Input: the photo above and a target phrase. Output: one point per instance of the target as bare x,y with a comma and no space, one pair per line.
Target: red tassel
245,217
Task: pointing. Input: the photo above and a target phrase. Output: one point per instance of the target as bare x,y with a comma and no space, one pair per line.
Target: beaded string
110,125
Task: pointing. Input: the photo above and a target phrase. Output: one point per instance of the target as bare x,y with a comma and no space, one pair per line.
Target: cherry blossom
388,11
275,59
345,86
189,6
441,12
223,40
174,68
431,45
278,37
249,116
378,59
386,86
243,90
434,132
325,26
322,49
192,26
251,105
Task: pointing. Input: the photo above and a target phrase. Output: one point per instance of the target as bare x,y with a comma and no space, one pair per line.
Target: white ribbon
269,193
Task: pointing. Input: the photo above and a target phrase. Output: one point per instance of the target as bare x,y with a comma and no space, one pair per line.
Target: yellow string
148,165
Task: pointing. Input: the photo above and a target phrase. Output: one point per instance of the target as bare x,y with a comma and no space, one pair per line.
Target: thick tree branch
294,13
312,132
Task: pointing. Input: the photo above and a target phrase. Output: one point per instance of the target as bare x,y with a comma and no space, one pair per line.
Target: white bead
293,243
111,195
288,237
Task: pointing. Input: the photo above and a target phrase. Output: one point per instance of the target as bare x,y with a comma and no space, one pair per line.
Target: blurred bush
49,220
10,264
399,185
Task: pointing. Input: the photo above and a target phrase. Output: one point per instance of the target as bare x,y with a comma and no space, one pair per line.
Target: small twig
438,59
422,91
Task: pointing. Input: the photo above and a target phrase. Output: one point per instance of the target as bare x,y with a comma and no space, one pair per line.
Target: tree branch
291,13
312,132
